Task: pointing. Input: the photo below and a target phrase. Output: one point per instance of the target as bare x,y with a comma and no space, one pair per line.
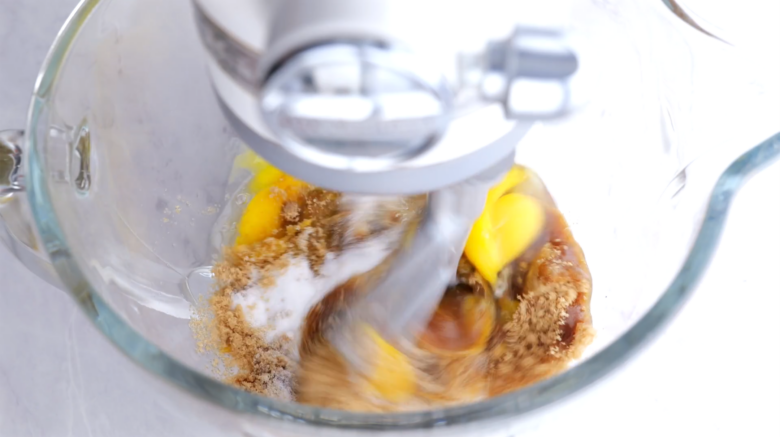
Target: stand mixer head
373,97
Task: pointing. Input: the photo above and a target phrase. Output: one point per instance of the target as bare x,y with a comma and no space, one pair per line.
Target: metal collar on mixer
341,96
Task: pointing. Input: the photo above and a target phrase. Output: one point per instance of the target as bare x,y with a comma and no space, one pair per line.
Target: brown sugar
551,324
263,367
291,212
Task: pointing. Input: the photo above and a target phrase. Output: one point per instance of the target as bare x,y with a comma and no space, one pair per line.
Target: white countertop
716,369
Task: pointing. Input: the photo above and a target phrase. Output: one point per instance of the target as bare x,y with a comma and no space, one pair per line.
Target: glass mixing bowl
123,184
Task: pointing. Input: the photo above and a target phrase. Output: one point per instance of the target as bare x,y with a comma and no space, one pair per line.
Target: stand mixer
366,98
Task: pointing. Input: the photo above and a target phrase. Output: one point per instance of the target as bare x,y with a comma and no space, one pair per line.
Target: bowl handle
16,226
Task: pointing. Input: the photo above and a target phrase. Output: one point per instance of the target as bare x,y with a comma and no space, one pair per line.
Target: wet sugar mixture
517,313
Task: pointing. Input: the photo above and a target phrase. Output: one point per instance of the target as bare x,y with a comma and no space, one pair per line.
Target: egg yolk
509,224
272,189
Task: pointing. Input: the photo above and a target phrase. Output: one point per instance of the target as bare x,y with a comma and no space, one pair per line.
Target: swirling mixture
517,313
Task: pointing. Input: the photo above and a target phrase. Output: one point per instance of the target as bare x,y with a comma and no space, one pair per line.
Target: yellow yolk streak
509,224
272,189
392,375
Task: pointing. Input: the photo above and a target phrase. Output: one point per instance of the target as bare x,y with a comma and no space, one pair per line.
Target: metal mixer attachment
369,97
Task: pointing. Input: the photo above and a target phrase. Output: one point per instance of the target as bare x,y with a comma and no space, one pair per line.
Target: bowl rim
517,403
